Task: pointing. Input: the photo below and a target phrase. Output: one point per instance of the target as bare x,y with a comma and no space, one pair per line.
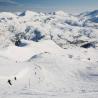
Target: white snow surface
54,66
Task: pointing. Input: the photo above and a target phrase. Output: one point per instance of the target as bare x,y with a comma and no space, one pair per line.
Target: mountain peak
61,13
27,13
90,13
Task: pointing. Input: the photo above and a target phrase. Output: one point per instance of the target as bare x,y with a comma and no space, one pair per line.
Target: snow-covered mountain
64,29
48,55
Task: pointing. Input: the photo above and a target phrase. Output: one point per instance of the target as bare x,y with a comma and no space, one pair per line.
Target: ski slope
50,61
44,69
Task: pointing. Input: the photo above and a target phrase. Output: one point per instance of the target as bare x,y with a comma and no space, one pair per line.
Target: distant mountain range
64,29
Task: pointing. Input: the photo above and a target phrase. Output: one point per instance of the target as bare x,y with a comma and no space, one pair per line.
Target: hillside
51,55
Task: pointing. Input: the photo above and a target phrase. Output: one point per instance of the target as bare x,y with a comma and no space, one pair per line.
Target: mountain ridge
28,25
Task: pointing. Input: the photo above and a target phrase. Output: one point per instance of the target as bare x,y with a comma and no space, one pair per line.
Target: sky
71,6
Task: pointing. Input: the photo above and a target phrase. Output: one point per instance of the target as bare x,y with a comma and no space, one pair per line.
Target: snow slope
38,68
50,60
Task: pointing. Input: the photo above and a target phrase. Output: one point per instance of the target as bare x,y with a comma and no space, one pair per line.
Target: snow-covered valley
51,55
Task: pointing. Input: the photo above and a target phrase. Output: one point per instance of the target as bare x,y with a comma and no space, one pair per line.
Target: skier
9,81
15,78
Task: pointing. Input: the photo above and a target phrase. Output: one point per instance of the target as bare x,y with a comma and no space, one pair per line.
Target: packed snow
48,55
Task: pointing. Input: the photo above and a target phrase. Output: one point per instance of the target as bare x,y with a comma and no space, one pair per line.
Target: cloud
8,3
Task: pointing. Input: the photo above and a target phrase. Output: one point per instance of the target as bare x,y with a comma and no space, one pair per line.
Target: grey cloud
8,3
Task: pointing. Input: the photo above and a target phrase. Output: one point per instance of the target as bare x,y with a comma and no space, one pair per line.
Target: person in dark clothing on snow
15,78
9,81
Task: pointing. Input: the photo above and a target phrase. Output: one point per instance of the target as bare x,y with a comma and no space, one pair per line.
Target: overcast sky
71,6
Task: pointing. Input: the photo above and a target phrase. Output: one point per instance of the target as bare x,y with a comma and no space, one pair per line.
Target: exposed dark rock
88,45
